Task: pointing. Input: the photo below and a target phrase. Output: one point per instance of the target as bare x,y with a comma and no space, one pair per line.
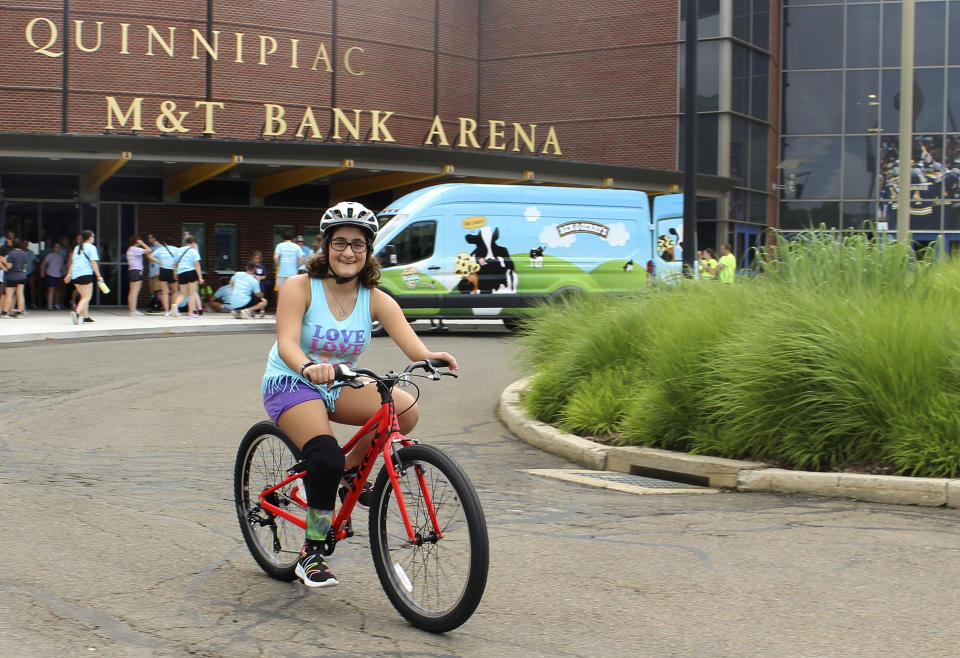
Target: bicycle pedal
349,527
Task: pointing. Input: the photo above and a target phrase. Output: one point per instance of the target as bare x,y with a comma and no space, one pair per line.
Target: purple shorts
293,393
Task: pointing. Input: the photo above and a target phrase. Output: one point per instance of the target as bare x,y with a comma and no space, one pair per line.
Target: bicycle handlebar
343,373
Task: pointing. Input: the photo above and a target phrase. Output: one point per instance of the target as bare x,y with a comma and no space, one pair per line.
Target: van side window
415,242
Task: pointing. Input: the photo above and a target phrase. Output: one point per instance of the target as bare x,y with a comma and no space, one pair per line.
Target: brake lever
449,374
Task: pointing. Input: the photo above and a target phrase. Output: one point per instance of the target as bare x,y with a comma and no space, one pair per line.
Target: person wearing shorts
245,296
14,279
136,252
325,317
188,276
288,257
82,270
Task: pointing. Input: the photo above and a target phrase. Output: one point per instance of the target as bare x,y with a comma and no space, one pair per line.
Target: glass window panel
706,143
199,234
414,243
859,214
862,101
227,258
708,25
60,221
739,151
951,178
890,100
758,208
927,160
761,24
278,232
311,236
24,220
818,174
812,102
741,19
929,21
953,45
863,26
813,38
740,82
890,54
108,242
759,89
758,156
708,76
928,100
739,204
860,180
953,100
798,215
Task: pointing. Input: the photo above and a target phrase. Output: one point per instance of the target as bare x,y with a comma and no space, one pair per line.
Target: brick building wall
604,74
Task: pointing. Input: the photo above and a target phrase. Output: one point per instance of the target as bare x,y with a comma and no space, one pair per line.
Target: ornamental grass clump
843,353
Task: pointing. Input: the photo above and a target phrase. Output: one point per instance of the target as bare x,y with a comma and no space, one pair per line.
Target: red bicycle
428,535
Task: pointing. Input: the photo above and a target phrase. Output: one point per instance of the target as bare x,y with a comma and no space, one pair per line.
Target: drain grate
638,480
625,482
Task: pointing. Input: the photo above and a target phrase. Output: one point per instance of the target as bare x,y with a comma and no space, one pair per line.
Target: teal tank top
323,338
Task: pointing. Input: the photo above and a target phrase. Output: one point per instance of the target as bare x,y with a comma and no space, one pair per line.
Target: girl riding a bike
325,318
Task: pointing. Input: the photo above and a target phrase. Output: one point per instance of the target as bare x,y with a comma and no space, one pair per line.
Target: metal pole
906,123
690,143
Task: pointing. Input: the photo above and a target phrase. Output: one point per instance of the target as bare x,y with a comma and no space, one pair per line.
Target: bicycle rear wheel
435,583
263,459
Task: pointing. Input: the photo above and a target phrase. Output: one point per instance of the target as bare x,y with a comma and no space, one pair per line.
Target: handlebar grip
343,373
438,363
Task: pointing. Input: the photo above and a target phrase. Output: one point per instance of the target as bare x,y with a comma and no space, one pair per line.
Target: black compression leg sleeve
325,461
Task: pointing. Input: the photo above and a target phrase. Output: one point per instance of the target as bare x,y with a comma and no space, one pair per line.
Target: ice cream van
462,250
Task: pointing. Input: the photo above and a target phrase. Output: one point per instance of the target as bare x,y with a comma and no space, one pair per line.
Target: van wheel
378,329
512,325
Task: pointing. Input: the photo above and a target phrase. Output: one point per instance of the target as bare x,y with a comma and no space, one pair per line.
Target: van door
410,261
668,248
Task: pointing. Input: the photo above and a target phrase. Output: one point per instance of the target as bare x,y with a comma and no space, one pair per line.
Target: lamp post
906,123
690,144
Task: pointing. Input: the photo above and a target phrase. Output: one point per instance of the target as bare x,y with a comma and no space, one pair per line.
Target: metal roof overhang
351,169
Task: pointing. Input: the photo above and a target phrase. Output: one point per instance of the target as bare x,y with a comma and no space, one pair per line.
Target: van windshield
385,219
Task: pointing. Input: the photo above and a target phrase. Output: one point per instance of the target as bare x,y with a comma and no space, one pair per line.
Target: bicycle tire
263,458
404,569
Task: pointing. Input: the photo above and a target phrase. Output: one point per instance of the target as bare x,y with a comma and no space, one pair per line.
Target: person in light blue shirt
189,276
288,257
82,269
307,252
165,255
245,296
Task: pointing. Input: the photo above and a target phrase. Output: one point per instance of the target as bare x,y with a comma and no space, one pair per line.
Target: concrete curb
720,472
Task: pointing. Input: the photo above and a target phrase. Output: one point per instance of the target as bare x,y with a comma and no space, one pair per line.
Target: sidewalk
39,325
720,472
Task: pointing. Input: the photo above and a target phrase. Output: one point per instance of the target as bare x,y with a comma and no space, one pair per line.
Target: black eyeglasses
358,246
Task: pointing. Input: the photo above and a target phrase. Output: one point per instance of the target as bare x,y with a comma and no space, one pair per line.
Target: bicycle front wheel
435,582
264,457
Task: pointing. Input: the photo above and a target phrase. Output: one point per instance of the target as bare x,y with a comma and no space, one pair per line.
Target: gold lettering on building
322,54
264,40
346,60
380,126
239,58
552,141
530,141
208,114
273,124
78,36
169,120
134,111
496,134
467,127
310,121
124,38
436,130
199,39
153,35
294,43
52,36
340,118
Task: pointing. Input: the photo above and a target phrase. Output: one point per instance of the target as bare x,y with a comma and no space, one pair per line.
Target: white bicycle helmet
349,213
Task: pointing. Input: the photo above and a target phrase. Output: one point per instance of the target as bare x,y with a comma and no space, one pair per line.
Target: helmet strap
340,279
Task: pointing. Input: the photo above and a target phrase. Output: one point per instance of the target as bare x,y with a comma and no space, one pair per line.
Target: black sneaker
312,569
365,499
88,319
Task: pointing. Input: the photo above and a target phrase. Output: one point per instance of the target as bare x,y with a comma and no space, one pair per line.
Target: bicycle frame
387,434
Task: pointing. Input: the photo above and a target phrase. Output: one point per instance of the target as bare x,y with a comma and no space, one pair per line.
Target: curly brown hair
318,267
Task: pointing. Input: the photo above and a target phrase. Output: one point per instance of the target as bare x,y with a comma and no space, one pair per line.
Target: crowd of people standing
62,276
